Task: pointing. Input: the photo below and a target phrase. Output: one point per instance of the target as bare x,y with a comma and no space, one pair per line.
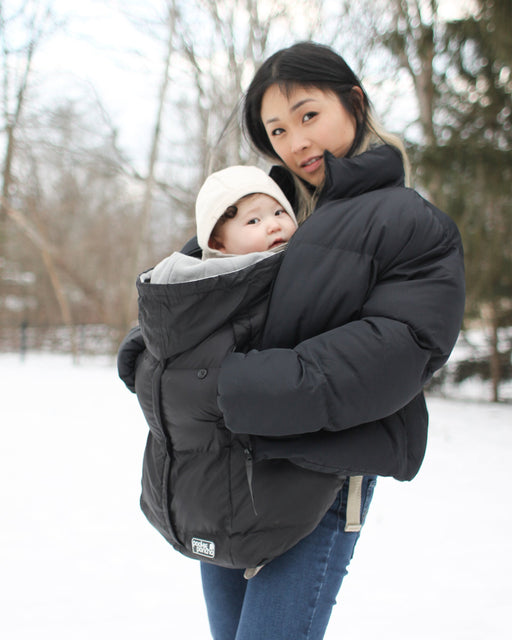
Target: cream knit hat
223,188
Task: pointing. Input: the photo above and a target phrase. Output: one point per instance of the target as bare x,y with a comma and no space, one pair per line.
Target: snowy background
78,560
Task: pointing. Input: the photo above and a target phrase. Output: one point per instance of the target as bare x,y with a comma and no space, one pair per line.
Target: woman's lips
312,164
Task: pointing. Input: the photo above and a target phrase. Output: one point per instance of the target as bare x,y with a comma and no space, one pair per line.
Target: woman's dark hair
307,64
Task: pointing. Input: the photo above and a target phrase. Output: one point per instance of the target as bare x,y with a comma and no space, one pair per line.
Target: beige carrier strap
353,518
250,573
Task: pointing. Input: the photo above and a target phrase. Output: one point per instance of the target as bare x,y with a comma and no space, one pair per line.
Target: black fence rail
86,339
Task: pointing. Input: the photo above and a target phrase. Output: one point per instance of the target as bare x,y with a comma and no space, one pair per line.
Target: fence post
23,339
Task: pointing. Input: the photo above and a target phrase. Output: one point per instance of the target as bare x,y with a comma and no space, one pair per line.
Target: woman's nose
299,142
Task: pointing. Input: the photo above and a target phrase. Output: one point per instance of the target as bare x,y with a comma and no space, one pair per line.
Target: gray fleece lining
179,267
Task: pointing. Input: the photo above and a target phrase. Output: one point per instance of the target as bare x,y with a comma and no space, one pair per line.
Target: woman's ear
357,98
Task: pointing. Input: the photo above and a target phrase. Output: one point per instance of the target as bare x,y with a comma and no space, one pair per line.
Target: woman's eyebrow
293,108
299,104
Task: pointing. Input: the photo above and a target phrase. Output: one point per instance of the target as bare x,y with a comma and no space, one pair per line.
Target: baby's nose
274,225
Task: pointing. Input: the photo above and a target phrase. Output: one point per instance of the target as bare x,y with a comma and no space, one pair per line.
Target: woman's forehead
278,102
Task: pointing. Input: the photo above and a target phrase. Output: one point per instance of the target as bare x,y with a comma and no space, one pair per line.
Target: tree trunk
490,318
141,232
494,361
62,301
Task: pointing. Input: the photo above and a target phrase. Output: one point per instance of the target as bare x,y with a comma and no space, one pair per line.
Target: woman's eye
277,132
309,115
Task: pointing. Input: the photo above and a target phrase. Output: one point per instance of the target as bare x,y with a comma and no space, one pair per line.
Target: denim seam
324,572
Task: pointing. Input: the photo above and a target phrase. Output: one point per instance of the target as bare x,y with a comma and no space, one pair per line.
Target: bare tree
209,52
238,36
76,206
96,217
141,230
35,21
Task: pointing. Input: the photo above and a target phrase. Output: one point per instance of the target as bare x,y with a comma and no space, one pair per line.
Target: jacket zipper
249,472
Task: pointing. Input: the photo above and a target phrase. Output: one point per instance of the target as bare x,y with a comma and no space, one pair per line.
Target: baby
192,313
241,210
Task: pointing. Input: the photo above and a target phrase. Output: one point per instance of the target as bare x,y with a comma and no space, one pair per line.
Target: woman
367,304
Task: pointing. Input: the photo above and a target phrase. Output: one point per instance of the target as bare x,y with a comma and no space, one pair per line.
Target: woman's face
304,124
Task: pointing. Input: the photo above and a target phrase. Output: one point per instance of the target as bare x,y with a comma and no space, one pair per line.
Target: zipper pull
248,471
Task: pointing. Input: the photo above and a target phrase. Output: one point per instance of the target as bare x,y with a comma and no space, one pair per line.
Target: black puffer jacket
367,304
200,487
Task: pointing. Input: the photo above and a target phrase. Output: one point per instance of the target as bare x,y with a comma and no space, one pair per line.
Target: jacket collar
377,168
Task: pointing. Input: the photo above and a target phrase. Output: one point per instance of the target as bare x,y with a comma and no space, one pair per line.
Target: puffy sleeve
371,356
130,349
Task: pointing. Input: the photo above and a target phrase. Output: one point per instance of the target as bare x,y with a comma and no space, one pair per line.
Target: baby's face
260,224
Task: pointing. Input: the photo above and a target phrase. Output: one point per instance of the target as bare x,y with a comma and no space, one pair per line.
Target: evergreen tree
471,161
462,76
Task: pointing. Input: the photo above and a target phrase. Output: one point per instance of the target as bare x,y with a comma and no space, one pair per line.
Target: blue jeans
292,596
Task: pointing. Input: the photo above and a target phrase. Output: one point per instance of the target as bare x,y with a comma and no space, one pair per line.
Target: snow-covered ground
79,561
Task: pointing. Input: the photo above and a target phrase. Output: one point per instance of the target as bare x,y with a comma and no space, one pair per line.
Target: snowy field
79,561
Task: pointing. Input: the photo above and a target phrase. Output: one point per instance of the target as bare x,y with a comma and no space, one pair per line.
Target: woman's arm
354,374
370,367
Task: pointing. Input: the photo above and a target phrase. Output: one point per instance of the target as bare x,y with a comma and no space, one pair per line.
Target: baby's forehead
255,200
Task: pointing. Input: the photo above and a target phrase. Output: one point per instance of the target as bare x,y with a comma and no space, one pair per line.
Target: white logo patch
204,548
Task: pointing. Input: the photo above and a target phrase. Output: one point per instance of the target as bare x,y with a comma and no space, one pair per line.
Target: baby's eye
280,212
253,221
309,115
